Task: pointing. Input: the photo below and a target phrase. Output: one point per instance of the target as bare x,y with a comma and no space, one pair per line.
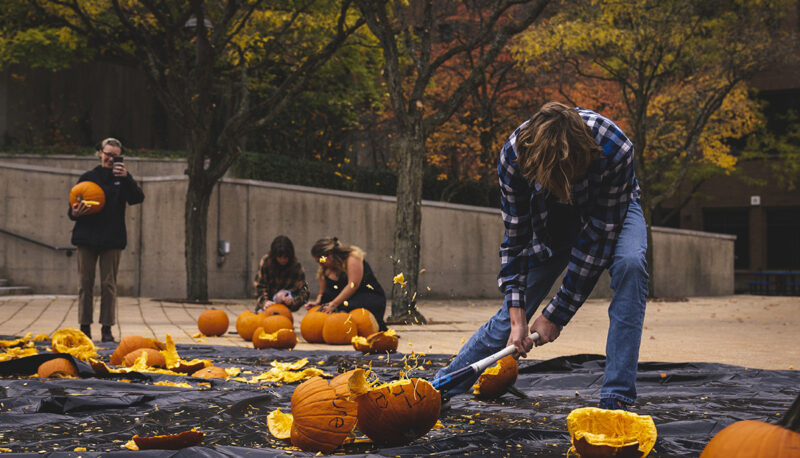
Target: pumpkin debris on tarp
15,342
175,363
178,441
602,432
57,368
377,342
17,353
279,424
74,342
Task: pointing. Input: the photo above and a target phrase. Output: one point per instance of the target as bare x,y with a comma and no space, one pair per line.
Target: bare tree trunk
408,222
196,219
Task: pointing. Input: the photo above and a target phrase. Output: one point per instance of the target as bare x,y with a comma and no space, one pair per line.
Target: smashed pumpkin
282,338
399,412
365,322
185,439
324,414
210,372
495,380
280,424
74,342
57,367
602,432
378,342
131,343
154,357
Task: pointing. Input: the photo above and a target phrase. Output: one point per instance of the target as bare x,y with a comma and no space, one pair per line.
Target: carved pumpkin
272,323
57,367
379,342
246,323
339,329
280,424
74,342
365,322
130,343
171,441
311,325
495,380
213,322
279,309
154,357
211,372
602,432
90,193
399,412
753,438
324,414
282,338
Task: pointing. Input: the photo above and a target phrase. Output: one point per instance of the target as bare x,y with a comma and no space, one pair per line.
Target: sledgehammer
448,381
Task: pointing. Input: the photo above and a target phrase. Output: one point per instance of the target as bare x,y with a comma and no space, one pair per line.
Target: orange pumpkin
246,323
365,322
211,372
753,438
282,338
339,329
90,193
171,441
272,323
279,309
213,322
311,325
399,412
154,357
57,367
379,342
323,413
495,380
130,343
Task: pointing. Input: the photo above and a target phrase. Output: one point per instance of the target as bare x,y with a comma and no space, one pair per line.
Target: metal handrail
68,250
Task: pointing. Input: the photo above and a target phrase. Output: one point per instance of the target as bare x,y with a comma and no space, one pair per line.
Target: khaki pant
109,266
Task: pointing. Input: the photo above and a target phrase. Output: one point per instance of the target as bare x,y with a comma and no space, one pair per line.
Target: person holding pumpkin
280,278
346,280
101,236
569,198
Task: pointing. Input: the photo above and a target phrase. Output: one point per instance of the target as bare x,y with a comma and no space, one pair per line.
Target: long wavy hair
281,246
333,249
554,148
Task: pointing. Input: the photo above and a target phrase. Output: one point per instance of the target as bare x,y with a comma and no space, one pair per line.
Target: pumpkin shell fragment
602,432
170,441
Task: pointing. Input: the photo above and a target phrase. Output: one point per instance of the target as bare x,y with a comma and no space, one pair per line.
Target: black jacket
106,230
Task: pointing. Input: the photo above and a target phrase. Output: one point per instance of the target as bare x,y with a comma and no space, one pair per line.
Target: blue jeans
629,281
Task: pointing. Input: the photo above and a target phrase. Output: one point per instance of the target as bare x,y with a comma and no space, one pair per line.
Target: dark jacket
106,230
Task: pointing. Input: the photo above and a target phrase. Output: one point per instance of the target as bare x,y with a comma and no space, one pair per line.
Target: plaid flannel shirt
601,198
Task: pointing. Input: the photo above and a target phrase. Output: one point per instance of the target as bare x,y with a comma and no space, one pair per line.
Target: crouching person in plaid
569,199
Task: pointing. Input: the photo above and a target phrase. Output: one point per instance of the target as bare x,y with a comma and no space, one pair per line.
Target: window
783,238
734,221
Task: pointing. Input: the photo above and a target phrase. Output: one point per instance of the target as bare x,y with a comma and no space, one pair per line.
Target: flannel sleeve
299,289
594,249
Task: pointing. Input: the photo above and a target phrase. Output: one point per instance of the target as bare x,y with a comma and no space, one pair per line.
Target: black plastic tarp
689,403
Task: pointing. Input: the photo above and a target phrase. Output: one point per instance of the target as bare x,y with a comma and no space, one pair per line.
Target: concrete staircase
8,290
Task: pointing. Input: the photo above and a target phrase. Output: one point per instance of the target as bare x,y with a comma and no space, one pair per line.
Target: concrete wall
459,244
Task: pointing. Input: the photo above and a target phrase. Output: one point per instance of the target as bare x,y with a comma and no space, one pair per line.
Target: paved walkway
750,331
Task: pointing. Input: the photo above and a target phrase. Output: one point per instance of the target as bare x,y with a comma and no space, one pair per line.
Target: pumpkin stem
791,420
